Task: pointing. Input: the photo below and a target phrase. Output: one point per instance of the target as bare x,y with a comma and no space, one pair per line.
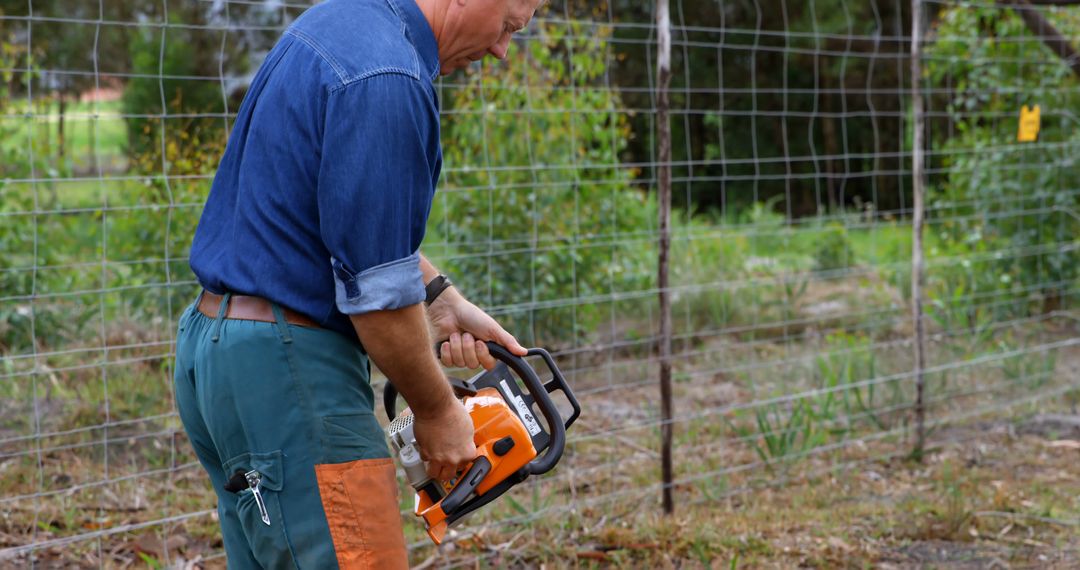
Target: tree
1009,206
538,209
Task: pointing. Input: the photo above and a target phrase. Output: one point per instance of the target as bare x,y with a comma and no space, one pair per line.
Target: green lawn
94,134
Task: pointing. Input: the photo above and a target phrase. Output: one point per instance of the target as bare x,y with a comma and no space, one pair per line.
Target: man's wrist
430,410
435,288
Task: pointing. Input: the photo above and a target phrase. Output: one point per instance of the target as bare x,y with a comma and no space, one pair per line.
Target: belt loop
282,325
224,306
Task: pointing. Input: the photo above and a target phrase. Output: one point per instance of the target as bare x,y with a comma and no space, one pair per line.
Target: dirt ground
996,491
994,495
1004,494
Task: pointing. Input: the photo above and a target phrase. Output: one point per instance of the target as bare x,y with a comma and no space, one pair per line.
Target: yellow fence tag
1029,124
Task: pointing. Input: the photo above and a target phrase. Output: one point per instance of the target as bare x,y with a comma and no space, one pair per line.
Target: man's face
476,28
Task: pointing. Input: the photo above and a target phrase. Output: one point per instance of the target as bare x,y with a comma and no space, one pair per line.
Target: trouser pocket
352,436
258,480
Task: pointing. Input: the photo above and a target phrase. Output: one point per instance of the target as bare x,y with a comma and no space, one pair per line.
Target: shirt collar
419,33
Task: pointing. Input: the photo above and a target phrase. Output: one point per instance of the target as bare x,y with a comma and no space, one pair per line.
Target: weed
952,515
792,289
956,310
1072,399
784,431
850,367
713,488
1028,371
151,561
537,503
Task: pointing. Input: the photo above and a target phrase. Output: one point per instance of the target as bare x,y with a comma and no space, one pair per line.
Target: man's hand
398,342
465,328
445,440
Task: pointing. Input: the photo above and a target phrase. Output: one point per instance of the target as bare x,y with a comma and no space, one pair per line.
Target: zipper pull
254,480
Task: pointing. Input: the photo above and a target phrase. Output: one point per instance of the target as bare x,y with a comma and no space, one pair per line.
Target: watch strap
435,287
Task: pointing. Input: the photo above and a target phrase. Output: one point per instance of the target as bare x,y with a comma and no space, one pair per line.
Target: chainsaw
511,442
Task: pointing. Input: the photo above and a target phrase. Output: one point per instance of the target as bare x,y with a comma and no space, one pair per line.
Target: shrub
1006,205
833,249
535,208
161,76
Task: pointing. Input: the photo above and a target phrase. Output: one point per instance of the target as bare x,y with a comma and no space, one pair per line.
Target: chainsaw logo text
522,410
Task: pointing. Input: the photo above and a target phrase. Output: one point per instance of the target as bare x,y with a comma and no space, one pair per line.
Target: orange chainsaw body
493,420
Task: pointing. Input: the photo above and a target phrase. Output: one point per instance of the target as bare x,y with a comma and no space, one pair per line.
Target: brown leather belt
245,308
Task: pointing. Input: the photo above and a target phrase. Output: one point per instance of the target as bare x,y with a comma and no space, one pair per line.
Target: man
308,254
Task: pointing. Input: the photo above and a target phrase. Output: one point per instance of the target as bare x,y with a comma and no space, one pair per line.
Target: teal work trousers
292,407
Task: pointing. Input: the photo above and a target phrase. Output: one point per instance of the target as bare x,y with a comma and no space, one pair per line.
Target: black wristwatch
435,287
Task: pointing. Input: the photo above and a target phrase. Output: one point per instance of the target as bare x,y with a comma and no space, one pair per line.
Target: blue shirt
322,195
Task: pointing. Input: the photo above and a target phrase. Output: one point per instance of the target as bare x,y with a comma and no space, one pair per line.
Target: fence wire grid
791,248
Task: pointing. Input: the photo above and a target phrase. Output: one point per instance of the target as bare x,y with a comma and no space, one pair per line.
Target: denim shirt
322,195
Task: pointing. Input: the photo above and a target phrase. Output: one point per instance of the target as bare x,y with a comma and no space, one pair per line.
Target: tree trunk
60,142
832,149
1050,36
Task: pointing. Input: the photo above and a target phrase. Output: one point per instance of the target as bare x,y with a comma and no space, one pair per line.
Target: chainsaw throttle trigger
465,485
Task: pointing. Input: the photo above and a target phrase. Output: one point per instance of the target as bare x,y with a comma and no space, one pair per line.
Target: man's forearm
400,345
429,270
451,295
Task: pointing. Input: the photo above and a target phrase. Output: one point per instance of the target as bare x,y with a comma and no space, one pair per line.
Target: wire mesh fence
791,246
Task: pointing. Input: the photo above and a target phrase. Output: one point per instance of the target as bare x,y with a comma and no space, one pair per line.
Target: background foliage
997,194
559,210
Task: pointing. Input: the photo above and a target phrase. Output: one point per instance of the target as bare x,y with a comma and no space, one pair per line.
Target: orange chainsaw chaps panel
360,502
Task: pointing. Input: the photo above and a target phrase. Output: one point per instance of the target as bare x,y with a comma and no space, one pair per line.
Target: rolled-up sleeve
380,160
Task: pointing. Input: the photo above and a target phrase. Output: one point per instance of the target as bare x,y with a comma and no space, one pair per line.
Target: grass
860,506
885,511
94,134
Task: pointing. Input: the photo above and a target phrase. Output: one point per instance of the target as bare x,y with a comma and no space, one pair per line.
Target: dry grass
1001,489
993,496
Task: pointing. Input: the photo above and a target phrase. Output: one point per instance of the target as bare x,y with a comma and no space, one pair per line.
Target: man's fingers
462,351
507,340
436,470
468,349
484,355
445,471
457,358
